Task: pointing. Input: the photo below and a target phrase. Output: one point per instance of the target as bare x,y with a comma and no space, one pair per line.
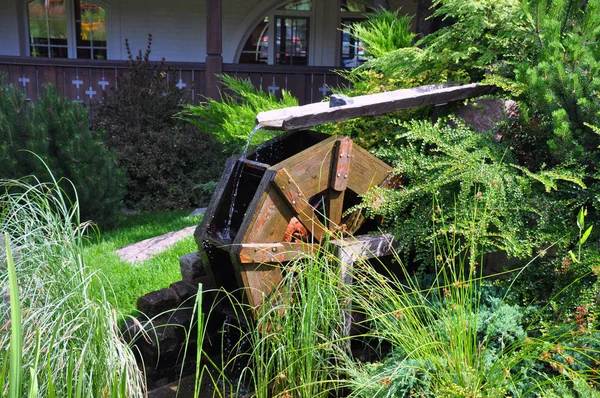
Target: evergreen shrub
232,119
165,159
57,130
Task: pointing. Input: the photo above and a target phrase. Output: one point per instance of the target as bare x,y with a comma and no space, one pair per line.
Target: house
79,45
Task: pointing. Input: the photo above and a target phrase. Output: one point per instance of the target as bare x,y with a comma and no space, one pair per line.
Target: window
51,21
291,40
47,28
353,12
282,37
352,49
90,25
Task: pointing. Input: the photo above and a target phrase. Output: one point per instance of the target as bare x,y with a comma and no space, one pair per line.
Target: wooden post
214,47
356,249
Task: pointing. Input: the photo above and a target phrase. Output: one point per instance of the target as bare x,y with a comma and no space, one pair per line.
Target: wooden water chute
283,199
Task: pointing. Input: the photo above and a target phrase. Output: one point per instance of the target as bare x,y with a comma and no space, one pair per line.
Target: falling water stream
236,184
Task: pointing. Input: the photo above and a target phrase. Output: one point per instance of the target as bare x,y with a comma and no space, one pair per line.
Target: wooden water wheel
282,199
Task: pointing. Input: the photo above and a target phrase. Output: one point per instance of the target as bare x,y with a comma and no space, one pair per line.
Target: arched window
90,27
50,23
282,37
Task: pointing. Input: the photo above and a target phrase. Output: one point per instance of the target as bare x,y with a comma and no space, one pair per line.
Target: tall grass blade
33,383
16,336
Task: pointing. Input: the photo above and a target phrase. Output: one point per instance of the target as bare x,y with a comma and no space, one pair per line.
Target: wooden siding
84,81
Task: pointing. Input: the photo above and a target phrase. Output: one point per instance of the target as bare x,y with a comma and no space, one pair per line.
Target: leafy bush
458,336
447,169
165,159
383,31
232,119
558,85
57,130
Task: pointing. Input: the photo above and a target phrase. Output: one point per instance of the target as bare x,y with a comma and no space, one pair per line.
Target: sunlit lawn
126,282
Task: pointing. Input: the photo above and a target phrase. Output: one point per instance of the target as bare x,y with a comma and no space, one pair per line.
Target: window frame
272,16
71,28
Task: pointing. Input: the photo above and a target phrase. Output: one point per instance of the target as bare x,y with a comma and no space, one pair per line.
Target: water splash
238,177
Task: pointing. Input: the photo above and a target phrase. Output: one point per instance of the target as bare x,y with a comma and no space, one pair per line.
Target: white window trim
71,30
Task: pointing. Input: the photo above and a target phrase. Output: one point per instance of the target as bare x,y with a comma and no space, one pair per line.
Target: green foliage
558,85
57,130
127,282
478,36
70,341
449,171
383,32
165,159
459,336
232,119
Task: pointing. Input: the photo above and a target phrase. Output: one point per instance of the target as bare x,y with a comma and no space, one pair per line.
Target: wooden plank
311,168
259,280
275,252
298,201
335,208
349,251
366,171
270,219
307,116
215,202
341,163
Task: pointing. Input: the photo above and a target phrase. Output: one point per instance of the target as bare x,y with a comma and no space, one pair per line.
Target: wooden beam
275,252
214,48
302,117
298,202
348,252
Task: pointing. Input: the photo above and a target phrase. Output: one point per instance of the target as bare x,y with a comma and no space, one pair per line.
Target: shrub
465,171
383,31
164,158
70,341
57,130
232,119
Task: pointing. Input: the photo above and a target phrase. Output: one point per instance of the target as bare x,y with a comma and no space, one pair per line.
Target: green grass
68,343
126,282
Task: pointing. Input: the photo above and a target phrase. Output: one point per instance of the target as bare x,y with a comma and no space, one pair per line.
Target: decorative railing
84,80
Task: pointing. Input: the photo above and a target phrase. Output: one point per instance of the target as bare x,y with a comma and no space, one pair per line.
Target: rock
482,115
191,266
184,289
339,100
158,302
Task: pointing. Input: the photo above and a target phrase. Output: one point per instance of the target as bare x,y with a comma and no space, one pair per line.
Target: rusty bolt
345,175
348,155
338,174
341,155
289,180
300,194
274,249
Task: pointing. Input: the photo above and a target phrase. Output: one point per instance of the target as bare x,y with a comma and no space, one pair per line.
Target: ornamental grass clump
458,335
70,339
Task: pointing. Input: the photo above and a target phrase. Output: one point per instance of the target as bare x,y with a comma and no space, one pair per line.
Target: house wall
10,43
178,27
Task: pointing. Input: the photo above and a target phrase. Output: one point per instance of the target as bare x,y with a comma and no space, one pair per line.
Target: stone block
158,302
184,289
191,266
